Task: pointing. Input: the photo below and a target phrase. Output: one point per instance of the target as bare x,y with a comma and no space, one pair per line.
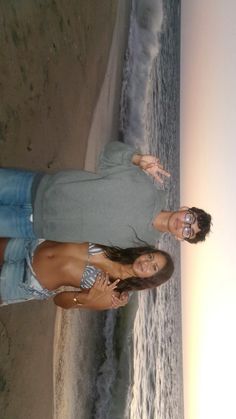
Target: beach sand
60,76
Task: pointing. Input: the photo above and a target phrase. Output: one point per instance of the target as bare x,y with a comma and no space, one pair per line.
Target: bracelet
76,301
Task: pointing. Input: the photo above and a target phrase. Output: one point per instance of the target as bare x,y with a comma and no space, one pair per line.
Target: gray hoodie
114,206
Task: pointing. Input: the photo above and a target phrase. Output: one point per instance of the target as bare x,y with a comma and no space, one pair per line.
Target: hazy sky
208,168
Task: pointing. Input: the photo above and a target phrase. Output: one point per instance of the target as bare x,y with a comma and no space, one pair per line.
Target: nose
145,264
181,224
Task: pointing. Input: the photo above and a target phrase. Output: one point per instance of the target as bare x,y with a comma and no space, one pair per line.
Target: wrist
79,299
136,159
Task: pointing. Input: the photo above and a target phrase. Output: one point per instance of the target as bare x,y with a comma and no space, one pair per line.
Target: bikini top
90,272
35,288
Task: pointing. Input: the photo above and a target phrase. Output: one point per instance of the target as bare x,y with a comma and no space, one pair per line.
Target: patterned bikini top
90,272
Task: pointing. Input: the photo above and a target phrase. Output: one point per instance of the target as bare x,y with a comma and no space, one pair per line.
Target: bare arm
102,296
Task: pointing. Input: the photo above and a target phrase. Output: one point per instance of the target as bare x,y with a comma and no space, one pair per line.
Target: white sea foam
143,49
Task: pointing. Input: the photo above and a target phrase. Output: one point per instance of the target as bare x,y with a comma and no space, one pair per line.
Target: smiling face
148,265
178,222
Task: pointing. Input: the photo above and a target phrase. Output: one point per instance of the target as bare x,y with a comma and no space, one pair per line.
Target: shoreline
105,122
104,127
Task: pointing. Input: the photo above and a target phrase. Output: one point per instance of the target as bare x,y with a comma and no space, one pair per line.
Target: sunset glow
208,151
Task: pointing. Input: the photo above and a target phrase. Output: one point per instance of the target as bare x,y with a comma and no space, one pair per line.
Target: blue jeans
18,282
15,203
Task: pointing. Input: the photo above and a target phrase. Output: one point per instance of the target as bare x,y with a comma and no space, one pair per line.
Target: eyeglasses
189,219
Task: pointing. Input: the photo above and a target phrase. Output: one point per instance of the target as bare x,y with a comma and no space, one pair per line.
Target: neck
161,221
126,271
114,269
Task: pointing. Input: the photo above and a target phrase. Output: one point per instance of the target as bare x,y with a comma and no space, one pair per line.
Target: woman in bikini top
100,276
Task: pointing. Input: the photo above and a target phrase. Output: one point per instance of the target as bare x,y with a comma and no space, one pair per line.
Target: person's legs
12,272
17,281
15,203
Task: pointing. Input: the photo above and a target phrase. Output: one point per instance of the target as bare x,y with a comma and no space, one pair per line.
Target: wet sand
53,61
60,73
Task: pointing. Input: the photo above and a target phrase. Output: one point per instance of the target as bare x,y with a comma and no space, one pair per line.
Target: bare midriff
60,264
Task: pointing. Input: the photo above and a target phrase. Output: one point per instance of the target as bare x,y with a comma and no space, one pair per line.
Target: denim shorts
15,203
18,282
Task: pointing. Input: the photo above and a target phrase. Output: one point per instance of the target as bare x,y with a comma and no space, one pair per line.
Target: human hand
151,165
119,300
100,295
103,284
108,289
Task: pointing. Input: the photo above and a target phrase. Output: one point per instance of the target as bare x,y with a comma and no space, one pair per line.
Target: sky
208,168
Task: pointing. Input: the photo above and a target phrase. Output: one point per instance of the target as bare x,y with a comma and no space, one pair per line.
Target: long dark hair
128,256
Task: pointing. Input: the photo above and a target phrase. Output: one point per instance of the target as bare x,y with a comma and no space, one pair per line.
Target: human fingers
152,162
157,164
158,168
162,171
124,294
116,302
153,165
148,160
113,285
124,297
96,285
100,281
157,173
158,178
104,281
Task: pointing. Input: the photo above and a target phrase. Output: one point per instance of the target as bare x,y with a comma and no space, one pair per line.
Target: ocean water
136,369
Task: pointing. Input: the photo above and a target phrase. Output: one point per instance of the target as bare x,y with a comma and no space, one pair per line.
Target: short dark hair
128,256
203,222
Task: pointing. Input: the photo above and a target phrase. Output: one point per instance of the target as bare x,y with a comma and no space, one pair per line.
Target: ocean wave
107,370
115,376
143,49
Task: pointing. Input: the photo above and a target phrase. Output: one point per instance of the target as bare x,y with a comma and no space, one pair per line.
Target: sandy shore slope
53,60
54,56
104,127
